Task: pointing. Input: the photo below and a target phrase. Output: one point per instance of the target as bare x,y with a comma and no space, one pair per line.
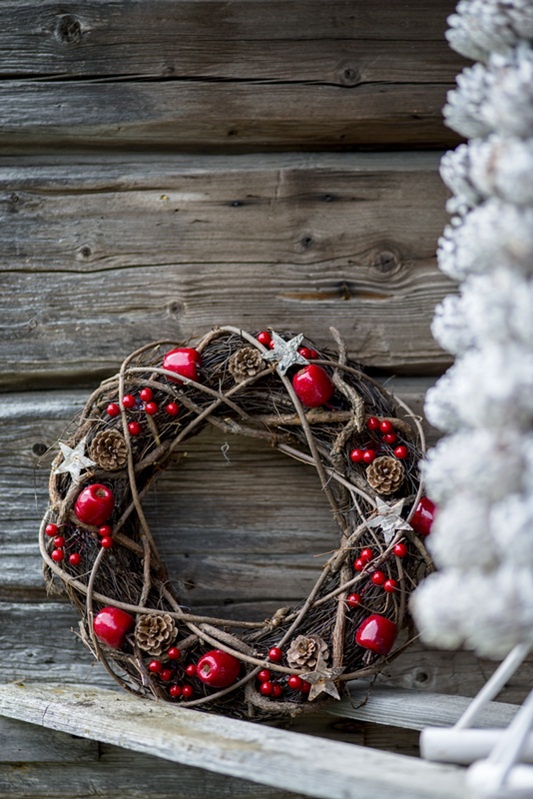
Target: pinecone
108,450
305,650
385,475
155,632
245,363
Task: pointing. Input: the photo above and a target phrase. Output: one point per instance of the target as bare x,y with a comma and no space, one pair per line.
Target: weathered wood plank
261,754
99,259
20,742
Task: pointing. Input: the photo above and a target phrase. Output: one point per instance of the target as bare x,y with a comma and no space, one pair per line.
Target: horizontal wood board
98,258
224,75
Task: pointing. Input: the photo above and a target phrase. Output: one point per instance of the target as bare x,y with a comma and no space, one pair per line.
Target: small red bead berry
305,352
275,654
155,666
112,409
106,542
400,550
74,559
366,554
165,675
359,564
390,438
401,452
174,653
151,408
378,578
295,682
386,427
264,675
266,688
175,690
353,601
172,408
390,586
59,541
51,530
356,455
369,455
277,690
105,530
264,338
128,401
57,555
187,691
146,394
373,423
306,687
313,355
134,428
191,670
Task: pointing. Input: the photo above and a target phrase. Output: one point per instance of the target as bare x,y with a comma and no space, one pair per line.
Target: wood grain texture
20,742
258,753
99,258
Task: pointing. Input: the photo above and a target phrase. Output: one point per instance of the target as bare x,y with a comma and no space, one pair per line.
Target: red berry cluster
145,403
58,553
388,436
166,672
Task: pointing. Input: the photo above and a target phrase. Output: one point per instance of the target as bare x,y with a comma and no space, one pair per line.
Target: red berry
155,666
128,401
390,586
94,504
57,555
172,408
359,564
376,633
74,559
112,409
369,455
313,355
266,688
295,682
356,455
401,452
175,690
151,408
112,625
165,675
218,669
134,428
313,386
400,550
386,427
264,675
422,518
105,530
183,361
187,691
305,352
106,542
390,438
277,690
306,687
373,423
51,530
191,670
354,600
59,541
264,338
275,654
378,578
366,554
146,394
174,653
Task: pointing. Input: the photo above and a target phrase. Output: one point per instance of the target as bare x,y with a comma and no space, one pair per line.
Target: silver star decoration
285,352
74,460
322,680
389,518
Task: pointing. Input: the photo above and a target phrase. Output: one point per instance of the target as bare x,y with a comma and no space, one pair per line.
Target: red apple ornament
184,361
218,669
422,518
313,386
376,633
94,504
112,625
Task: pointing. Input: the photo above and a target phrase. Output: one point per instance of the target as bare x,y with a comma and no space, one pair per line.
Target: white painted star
285,352
322,680
74,460
389,518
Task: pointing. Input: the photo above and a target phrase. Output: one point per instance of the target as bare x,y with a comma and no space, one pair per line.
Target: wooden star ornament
74,460
322,680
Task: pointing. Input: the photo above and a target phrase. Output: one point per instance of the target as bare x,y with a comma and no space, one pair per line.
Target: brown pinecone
385,475
305,650
108,450
155,632
245,363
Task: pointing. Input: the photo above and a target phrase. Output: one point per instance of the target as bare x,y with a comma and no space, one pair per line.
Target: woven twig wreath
322,410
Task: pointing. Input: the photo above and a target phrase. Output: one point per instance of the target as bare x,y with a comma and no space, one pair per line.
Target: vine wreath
319,408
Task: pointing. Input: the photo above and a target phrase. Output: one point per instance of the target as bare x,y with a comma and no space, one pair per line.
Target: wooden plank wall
167,165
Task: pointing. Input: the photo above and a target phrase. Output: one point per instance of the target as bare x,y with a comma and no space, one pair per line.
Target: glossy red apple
313,386
422,518
376,633
94,504
218,669
112,625
185,361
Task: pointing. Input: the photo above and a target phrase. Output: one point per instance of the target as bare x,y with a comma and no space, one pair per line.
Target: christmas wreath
317,407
